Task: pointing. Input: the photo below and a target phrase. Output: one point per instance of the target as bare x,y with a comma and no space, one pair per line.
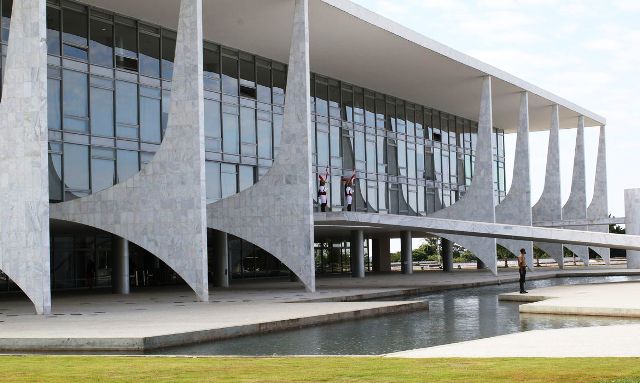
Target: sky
585,51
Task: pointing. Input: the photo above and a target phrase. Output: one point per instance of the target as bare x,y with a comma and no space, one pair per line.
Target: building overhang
352,44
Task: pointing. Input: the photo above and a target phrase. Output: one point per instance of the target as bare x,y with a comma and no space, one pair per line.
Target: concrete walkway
160,317
610,299
604,341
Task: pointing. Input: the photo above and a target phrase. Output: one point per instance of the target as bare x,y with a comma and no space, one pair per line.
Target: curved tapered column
549,206
632,223
516,206
276,213
599,206
576,206
477,203
162,208
24,182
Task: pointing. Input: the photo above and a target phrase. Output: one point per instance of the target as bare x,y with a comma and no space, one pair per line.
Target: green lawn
321,369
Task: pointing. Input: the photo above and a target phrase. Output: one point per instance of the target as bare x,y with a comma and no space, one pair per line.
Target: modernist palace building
156,142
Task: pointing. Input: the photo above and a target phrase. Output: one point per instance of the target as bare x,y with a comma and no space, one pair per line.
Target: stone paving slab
603,341
620,299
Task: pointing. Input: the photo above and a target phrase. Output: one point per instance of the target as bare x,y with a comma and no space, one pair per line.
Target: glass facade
109,84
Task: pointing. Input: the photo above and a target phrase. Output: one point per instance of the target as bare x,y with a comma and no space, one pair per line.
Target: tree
504,254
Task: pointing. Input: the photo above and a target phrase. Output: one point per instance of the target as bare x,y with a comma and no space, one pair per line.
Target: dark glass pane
246,177
101,45
212,122
55,177
150,119
127,164
214,189
149,55
102,112
168,53
126,47
7,7
230,75
211,67
126,103
248,125
102,174
53,31
54,116
264,84
279,86
76,167
75,33
230,133
76,100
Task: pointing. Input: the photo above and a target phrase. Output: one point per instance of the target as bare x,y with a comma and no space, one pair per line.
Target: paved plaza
165,316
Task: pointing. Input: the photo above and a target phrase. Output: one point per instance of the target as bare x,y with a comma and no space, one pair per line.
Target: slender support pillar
163,208
576,206
220,259
120,276
599,206
632,223
381,255
447,255
549,206
477,203
288,186
406,253
357,253
24,188
516,207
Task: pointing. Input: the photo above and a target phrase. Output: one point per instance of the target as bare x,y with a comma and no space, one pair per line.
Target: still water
453,316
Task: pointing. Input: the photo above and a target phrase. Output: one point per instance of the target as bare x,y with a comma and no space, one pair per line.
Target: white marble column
24,182
162,208
276,213
632,223
576,205
516,207
549,206
599,206
477,203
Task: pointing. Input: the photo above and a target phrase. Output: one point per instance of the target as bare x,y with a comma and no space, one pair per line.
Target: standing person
322,190
522,268
348,189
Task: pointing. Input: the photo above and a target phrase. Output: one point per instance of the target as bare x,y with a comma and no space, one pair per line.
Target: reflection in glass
150,119
74,36
230,133
168,53
76,167
101,45
54,115
53,31
126,47
214,189
126,103
128,164
149,55
102,112
102,174
228,180
75,98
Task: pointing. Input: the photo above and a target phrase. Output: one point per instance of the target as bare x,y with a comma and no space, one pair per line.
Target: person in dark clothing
522,268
